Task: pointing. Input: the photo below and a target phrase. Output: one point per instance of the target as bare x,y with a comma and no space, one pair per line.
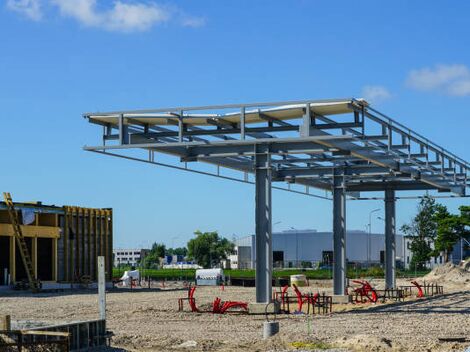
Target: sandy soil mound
451,274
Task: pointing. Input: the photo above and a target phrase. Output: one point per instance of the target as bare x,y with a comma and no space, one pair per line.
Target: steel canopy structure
343,146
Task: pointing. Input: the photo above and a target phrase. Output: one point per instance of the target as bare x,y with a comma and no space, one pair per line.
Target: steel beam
123,131
264,259
339,233
390,245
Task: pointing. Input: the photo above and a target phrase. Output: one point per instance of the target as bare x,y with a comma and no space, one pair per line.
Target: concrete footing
263,308
270,328
340,299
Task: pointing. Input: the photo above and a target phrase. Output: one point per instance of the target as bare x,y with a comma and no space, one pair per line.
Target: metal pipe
369,236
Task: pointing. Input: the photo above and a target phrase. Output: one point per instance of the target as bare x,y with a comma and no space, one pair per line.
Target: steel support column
339,233
264,261
390,246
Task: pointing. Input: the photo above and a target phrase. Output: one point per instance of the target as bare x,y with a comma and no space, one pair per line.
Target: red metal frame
218,307
365,291
420,289
302,298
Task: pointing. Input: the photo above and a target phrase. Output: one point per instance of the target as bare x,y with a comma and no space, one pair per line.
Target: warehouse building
129,256
310,248
63,242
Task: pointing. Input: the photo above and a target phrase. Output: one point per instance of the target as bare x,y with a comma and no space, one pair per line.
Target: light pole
370,233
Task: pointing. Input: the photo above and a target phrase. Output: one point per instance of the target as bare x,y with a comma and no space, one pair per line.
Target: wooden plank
12,259
76,271
71,246
66,243
106,240
96,242
5,323
101,233
44,333
34,256
31,231
54,259
54,252
110,249
83,244
90,265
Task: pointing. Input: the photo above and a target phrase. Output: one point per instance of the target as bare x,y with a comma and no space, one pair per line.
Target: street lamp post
369,237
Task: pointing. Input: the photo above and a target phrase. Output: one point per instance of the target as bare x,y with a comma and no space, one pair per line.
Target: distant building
132,257
310,248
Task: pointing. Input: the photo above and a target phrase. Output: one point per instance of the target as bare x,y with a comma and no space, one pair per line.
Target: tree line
207,249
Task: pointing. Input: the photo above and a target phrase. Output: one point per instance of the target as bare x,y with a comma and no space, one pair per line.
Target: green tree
152,259
422,231
207,248
465,216
449,230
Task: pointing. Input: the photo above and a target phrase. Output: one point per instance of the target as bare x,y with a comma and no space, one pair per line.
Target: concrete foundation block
341,299
263,308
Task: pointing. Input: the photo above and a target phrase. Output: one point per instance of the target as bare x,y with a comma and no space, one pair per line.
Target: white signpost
101,288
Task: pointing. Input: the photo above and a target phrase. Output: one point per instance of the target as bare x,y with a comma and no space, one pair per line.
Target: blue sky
60,58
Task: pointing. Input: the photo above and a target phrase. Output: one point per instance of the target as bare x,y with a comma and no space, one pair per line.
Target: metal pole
101,288
369,244
461,249
263,279
390,245
339,234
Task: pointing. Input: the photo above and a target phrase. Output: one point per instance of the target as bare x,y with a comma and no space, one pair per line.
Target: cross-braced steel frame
342,146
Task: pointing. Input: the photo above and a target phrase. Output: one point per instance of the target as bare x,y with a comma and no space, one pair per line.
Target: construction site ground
148,320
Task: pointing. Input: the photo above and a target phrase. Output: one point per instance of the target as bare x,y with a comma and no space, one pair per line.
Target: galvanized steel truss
340,145
372,151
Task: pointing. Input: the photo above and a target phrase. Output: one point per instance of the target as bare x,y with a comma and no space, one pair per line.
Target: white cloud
376,94
28,8
449,79
119,15
195,22
129,17
122,17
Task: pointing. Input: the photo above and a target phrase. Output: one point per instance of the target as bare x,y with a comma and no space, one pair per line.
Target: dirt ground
144,320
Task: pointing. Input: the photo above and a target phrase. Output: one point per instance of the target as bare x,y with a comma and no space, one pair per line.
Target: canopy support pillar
390,245
264,261
339,233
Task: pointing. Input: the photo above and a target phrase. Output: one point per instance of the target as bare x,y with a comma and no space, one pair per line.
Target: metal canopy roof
306,141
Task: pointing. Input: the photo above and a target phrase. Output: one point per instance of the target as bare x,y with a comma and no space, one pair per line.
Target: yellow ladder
20,241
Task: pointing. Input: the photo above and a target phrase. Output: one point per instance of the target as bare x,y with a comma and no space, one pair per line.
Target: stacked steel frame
342,146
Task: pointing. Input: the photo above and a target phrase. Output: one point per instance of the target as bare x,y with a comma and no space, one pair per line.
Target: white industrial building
310,248
132,256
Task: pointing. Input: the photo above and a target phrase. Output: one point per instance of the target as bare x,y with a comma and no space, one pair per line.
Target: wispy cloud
376,94
448,79
189,21
28,8
119,16
123,17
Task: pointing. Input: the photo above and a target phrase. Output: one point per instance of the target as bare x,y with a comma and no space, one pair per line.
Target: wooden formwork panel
87,233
